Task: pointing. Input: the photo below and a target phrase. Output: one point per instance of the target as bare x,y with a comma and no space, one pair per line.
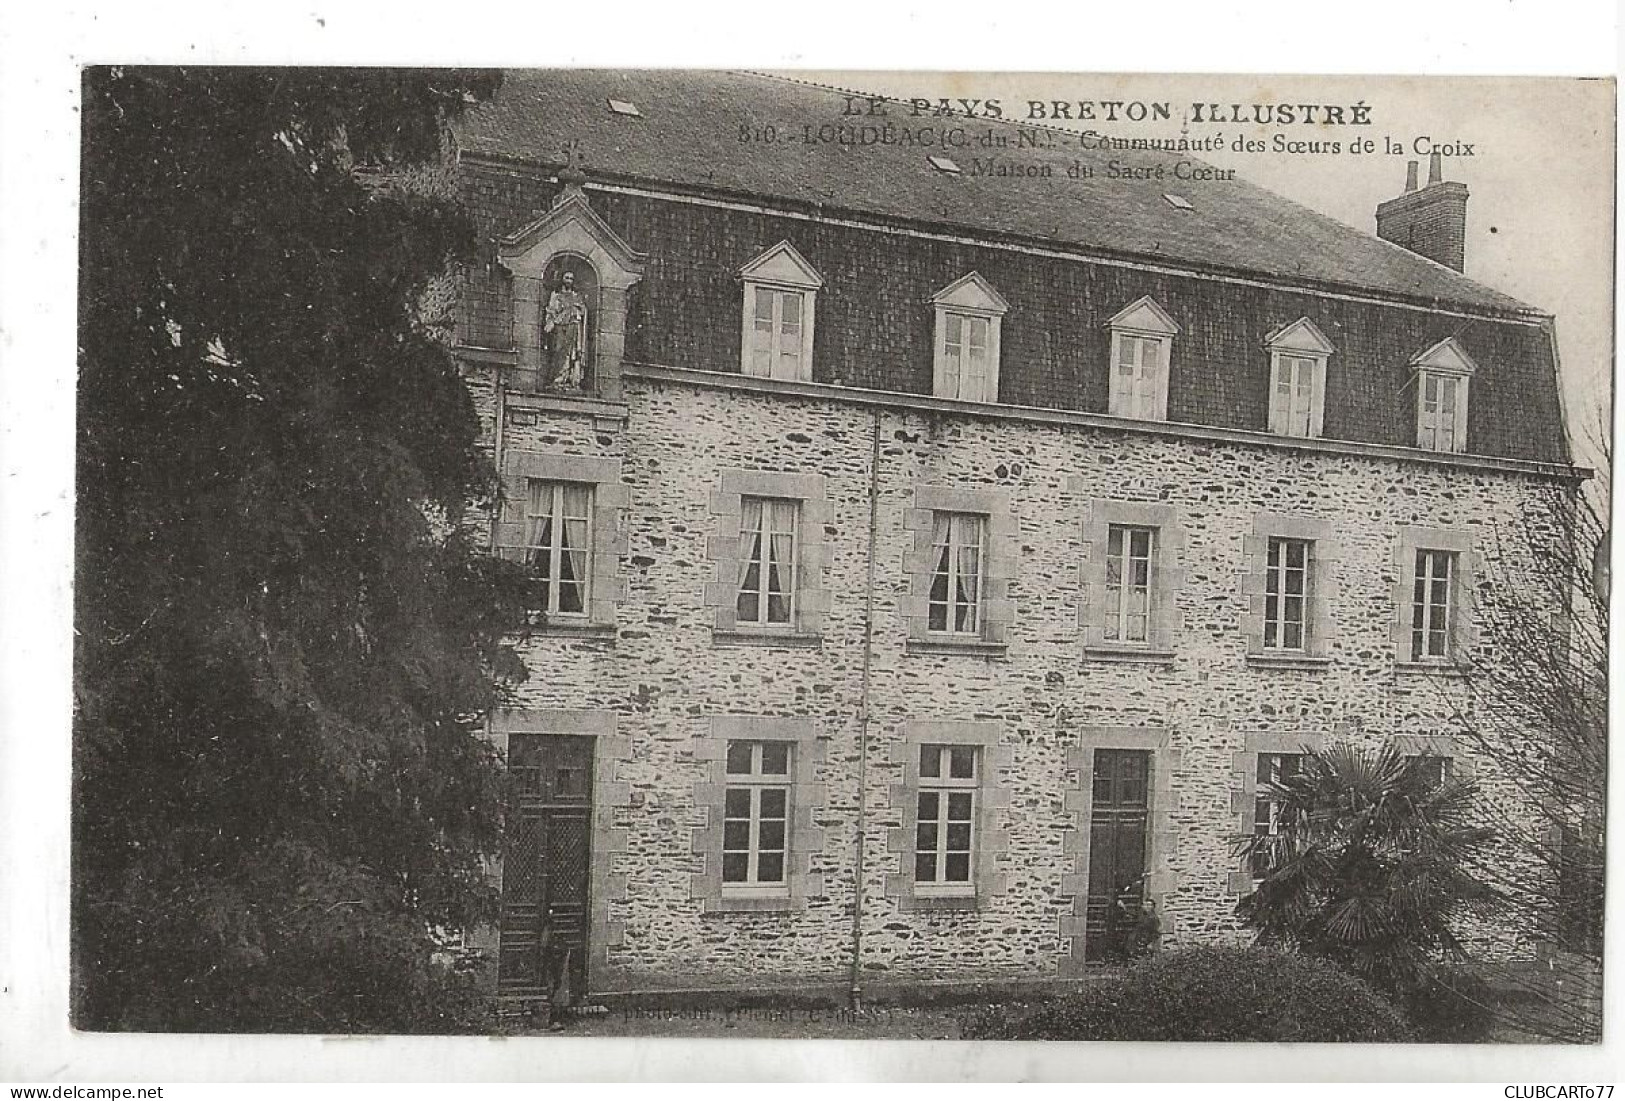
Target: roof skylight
622,107
943,164
1179,202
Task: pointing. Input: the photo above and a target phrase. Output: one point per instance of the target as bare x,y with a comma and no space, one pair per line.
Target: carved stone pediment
972,294
572,226
1301,335
1143,315
1447,357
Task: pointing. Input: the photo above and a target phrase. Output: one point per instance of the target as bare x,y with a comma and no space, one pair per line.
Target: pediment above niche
782,264
1301,335
971,293
570,336
572,227
1144,316
1447,357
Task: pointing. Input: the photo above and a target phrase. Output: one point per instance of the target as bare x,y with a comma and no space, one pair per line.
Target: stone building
928,558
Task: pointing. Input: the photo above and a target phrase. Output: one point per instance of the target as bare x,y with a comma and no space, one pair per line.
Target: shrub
1452,1006
1219,994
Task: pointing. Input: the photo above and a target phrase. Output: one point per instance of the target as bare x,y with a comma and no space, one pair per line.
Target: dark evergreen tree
285,638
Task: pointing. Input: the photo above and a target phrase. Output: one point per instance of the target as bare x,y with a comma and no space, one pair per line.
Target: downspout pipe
861,846
499,399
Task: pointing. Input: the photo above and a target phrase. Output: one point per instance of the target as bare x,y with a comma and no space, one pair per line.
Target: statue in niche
564,329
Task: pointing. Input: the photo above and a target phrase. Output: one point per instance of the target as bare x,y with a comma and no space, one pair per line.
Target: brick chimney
1430,221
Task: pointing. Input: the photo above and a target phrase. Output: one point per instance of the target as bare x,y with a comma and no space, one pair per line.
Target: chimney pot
1430,222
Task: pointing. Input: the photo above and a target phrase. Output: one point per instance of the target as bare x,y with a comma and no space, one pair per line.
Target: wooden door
1118,837
545,902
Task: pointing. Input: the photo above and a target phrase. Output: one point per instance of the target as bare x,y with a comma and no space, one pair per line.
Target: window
769,559
961,555
966,350
969,315
1273,768
1442,376
760,799
1291,589
756,814
949,842
562,516
1141,350
1431,605
1286,594
1130,556
1298,355
767,562
776,344
1442,406
1434,628
1292,396
944,825
1435,770
958,542
1133,555
1137,377
557,542
1267,757
780,290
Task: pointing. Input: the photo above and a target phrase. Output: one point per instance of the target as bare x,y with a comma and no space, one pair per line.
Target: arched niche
571,238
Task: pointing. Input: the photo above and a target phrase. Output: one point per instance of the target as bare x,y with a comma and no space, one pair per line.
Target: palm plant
1372,866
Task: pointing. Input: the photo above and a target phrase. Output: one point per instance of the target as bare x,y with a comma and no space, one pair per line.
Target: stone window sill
965,647
563,401
555,628
741,636
1308,663
1430,668
920,901
1107,651
750,904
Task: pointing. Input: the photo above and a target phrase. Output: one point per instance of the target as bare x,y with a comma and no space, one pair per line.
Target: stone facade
668,678
857,683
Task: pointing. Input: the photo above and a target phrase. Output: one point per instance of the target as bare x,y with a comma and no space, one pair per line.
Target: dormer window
1442,375
1298,355
969,312
780,293
1142,341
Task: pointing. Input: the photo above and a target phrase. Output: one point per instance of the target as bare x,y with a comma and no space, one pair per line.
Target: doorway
1118,836
545,871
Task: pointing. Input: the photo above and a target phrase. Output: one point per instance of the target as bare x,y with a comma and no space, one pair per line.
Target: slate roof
687,137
